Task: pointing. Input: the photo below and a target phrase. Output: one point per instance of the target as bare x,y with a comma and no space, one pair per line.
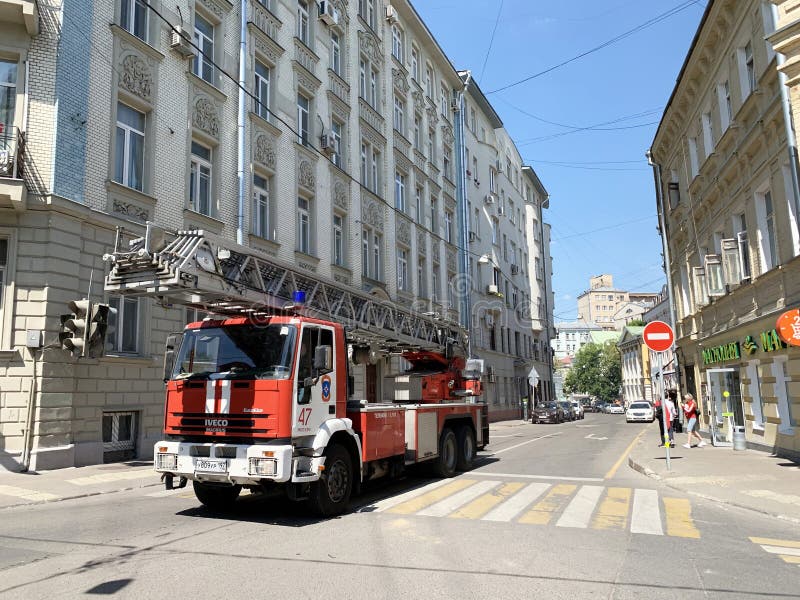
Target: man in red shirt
690,411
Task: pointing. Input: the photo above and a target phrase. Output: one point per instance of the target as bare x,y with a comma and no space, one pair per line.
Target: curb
77,496
653,475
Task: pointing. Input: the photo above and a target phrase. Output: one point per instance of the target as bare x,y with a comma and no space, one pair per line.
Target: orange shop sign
788,327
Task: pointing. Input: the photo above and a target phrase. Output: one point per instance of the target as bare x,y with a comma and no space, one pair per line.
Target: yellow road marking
543,511
679,518
774,542
613,470
415,504
794,560
26,494
483,504
613,513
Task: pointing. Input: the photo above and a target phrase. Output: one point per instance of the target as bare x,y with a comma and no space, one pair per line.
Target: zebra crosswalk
787,550
566,505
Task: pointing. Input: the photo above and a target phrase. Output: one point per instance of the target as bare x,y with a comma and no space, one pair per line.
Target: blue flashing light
299,297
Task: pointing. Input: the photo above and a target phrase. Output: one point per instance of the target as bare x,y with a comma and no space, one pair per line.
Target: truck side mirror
173,343
323,359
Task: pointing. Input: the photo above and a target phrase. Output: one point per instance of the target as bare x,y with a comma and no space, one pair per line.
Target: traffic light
73,334
98,328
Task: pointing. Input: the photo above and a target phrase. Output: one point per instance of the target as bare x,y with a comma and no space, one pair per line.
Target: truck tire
215,497
467,448
445,464
331,494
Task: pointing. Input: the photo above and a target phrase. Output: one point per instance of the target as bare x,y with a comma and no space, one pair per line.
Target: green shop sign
722,353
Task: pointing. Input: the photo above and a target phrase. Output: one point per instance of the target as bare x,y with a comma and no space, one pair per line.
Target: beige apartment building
602,303
728,194
339,159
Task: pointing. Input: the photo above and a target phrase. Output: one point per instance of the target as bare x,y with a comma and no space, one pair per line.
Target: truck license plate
211,466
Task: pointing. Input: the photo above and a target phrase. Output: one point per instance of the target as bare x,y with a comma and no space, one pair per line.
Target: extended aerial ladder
198,269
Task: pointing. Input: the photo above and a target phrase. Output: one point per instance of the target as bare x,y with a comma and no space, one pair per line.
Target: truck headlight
166,462
261,466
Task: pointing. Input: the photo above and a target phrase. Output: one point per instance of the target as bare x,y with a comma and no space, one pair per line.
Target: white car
640,411
615,409
577,408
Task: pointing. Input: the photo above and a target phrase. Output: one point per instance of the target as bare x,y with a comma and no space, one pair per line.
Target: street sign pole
659,338
664,411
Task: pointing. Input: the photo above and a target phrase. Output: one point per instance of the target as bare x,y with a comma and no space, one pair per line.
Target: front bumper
544,418
242,464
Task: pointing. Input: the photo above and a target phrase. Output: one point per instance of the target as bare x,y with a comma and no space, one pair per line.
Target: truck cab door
315,391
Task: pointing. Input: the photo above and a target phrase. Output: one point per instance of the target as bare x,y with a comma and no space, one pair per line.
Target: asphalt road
551,511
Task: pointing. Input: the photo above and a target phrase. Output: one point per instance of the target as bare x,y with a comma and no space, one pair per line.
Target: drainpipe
546,268
242,119
791,140
665,249
463,212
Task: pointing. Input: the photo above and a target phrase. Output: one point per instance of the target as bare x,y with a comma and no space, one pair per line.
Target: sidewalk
63,484
748,479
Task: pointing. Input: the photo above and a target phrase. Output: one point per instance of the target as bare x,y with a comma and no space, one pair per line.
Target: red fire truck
261,393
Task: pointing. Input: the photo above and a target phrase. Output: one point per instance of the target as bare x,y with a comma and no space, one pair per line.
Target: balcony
13,192
21,12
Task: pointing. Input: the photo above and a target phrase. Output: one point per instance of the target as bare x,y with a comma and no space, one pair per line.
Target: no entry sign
658,336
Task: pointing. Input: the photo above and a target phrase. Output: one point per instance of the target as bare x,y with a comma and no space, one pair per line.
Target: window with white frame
429,81
448,227
370,167
725,110
432,145
417,132
200,179
372,253
492,180
133,17
402,270
400,191
368,82
433,222
447,163
422,278
129,147
400,115
303,24
261,207
495,230
740,234
476,222
8,92
123,325
414,64
767,242
444,107
337,132
472,121
694,162
303,119
436,295
747,71
336,53
304,225
418,203
708,133
262,84
338,240
366,9
397,43
202,65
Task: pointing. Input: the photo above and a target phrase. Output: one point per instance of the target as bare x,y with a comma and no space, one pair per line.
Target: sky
584,126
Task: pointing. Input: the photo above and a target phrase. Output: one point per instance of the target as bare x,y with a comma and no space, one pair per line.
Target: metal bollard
739,441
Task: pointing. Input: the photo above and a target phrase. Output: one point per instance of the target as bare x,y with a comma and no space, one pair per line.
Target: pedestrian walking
690,412
660,418
670,412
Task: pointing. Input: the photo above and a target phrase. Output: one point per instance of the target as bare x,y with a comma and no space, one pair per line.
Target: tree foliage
597,371
636,323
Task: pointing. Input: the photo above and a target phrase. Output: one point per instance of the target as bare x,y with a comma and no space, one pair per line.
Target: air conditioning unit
327,143
181,42
6,163
454,105
514,269
328,13
473,236
492,289
490,198
391,13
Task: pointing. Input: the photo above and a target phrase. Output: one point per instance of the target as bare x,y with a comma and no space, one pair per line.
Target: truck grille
232,424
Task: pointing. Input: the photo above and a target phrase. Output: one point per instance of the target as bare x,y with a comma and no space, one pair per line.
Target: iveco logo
216,422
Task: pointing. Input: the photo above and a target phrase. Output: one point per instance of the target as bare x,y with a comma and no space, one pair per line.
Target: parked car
548,413
616,409
577,408
598,407
640,411
566,406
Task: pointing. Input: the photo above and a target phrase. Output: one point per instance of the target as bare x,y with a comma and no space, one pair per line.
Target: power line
657,19
585,168
606,228
553,136
491,41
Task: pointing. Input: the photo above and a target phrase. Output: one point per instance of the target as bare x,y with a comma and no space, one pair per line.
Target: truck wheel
331,494
466,448
445,464
219,498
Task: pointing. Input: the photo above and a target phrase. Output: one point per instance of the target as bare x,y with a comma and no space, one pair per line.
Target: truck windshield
237,352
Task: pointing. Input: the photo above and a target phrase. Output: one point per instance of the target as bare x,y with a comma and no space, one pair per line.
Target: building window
336,133
129,149
375,172
372,253
202,65
418,203
123,325
436,296
402,269
757,403
303,28
338,240
303,111
368,82
336,54
261,220
415,64
472,121
448,227
428,81
492,180
740,234
433,220
443,107
417,132
422,287
447,163
303,225
693,160
748,71
432,145
8,92
400,115
262,91
200,179
3,268
725,111
133,17
366,9
767,242
400,191
397,43
495,230
708,133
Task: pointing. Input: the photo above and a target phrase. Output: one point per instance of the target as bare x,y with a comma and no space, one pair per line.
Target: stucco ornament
404,232
205,117
340,194
136,77
265,152
305,175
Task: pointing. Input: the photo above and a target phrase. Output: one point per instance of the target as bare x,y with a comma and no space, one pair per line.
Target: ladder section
200,270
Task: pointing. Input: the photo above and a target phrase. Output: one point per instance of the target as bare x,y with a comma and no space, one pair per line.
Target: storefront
749,377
